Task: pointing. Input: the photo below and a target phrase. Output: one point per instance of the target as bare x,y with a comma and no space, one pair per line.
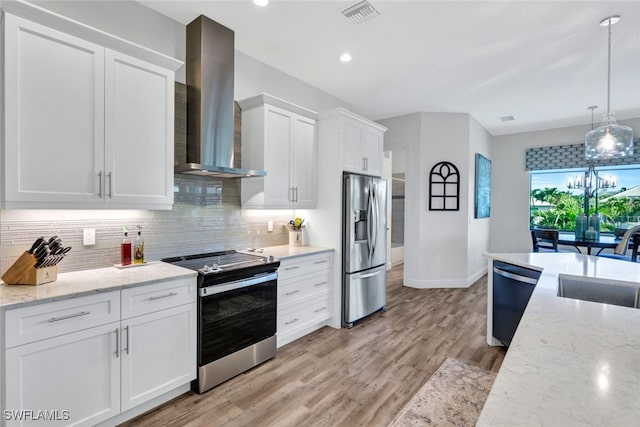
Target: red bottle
125,250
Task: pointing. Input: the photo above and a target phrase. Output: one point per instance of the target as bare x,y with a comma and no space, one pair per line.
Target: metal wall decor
444,187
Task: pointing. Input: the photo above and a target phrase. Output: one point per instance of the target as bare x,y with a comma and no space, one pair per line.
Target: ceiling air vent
360,12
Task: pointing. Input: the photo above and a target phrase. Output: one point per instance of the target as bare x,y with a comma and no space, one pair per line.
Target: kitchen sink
593,290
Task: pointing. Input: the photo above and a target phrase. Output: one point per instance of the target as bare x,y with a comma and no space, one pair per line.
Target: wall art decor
482,205
444,187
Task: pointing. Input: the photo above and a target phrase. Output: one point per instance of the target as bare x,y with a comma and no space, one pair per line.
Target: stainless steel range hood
210,62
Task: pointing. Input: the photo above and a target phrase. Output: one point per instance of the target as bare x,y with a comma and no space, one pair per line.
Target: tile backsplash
206,216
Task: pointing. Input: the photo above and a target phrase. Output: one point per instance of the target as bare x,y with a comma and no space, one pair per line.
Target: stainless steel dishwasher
512,288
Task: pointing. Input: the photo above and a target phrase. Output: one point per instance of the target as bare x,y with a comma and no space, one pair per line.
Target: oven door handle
255,280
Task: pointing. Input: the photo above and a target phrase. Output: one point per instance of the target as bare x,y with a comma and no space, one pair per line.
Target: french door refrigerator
364,247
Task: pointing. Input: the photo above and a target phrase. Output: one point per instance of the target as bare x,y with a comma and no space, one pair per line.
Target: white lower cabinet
158,355
82,377
304,295
74,379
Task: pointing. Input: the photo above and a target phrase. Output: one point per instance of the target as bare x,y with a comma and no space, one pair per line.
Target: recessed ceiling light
345,57
261,2
507,118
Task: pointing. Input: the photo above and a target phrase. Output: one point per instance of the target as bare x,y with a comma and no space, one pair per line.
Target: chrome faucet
621,249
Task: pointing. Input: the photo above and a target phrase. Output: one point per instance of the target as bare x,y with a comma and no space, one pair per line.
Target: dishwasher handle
517,277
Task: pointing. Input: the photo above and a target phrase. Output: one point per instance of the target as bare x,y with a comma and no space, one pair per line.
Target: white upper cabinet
85,126
139,110
54,115
362,145
280,138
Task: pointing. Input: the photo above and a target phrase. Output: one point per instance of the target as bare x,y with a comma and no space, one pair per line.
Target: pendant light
610,140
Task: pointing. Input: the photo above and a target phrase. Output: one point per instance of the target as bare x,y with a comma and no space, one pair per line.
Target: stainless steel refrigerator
364,247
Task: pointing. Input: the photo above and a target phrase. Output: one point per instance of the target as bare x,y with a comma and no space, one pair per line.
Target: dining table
605,241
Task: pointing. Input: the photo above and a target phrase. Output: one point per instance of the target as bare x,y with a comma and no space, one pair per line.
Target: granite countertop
571,362
287,251
78,283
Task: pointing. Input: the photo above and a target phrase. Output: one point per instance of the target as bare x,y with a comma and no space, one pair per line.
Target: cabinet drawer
37,322
304,265
149,298
298,317
295,289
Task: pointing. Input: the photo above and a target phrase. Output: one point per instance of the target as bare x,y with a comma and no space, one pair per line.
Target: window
554,205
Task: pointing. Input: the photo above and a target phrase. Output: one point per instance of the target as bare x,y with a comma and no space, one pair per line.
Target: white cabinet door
139,110
77,372
362,148
53,115
278,190
158,353
352,146
303,169
372,146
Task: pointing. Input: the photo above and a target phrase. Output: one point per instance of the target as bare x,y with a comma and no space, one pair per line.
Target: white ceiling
543,62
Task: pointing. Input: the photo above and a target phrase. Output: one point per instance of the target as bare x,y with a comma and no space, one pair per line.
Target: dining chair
546,240
633,256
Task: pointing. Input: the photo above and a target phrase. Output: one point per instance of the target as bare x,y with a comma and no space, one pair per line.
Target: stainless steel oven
236,313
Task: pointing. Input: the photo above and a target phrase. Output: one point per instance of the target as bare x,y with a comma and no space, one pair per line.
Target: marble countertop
77,283
571,362
287,251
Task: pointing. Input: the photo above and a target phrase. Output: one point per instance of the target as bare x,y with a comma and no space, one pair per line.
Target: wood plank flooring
357,377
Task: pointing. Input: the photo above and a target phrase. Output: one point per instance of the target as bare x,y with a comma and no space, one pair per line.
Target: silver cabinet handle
296,193
109,175
117,331
320,262
364,163
100,184
292,292
170,294
292,321
127,329
292,198
320,283
70,316
320,309
295,267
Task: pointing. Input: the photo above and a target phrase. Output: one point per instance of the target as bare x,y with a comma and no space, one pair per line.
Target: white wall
478,233
437,243
510,182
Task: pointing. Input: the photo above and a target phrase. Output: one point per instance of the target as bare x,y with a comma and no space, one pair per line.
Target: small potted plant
295,227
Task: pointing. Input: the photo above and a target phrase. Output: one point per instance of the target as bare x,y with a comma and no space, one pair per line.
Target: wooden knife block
23,272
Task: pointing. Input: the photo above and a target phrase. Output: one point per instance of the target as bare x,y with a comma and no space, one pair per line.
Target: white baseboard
445,283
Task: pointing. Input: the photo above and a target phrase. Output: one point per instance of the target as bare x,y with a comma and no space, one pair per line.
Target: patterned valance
572,156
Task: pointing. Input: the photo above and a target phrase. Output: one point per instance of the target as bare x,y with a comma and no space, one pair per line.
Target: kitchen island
571,362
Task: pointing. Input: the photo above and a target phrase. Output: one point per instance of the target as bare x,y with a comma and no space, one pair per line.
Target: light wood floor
357,377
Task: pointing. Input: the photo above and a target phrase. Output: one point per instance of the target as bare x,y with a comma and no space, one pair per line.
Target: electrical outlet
270,226
89,236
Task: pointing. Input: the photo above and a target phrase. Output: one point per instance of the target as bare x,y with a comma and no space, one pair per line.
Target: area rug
454,395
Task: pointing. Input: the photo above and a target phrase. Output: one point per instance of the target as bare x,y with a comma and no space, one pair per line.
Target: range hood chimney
210,62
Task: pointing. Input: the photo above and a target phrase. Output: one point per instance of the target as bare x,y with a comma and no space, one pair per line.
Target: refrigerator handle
374,210
369,221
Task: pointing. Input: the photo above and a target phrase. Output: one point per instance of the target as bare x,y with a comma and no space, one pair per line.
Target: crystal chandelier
610,140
